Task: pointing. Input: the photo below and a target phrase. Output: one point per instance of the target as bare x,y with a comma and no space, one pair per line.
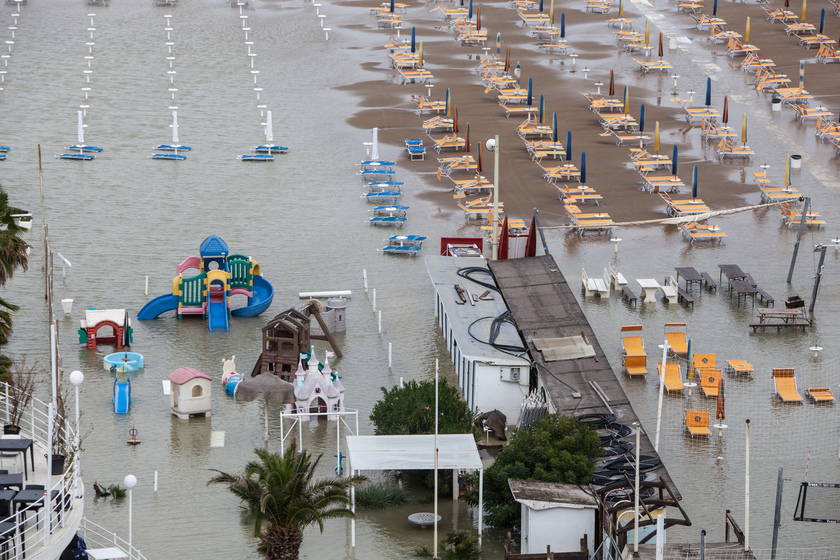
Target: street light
493,146
77,378
130,482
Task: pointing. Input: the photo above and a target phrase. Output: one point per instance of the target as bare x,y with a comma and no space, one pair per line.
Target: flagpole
435,554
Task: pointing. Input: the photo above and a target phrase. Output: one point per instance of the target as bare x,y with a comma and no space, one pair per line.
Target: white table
649,288
105,553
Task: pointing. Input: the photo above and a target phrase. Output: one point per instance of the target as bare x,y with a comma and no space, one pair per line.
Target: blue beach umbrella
542,109
448,104
568,145
642,119
714,9
674,159
530,98
392,6
413,37
583,167
541,5
822,20
471,10
498,45
708,92
554,134
694,183
562,25
689,369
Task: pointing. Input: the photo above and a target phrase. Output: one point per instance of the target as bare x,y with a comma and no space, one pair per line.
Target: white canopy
382,453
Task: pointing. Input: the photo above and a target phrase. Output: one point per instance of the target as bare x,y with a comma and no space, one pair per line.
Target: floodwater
124,217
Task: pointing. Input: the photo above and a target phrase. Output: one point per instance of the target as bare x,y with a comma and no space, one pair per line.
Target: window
197,391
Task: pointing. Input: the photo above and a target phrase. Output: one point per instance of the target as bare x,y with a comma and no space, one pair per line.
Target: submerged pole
777,519
747,493
542,235
805,206
821,250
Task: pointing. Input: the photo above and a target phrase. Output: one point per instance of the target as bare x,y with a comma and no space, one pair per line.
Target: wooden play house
189,393
115,321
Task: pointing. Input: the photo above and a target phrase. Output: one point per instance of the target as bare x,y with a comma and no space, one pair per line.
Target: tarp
455,451
567,348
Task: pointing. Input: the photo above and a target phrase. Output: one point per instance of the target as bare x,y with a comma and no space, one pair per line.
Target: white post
266,424
480,504
6,392
660,537
338,445
146,291
300,434
364,277
53,365
636,492
352,508
380,321
282,437
401,382
661,389
389,356
437,415
495,253
155,485
130,482
374,300
747,494
455,489
47,492
76,378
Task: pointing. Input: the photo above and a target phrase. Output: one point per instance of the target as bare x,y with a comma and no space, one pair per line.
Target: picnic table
649,287
742,288
690,275
769,317
732,272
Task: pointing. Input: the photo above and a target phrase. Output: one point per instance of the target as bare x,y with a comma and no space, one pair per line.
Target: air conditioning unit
510,374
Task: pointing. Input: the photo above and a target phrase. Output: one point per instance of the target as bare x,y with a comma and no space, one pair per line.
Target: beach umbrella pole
777,519
805,206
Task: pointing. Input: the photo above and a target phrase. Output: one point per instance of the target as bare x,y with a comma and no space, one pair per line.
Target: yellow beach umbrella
744,129
787,171
804,3
620,8
656,137
747,32
551,13
420,55
647,32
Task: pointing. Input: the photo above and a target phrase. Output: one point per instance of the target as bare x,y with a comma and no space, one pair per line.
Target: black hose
468,270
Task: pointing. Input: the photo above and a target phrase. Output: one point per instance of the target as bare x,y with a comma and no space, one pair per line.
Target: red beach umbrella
660,45
455,120
612,84
504,240
507,60
480,167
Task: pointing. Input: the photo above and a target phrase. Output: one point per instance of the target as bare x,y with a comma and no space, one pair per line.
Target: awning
382,453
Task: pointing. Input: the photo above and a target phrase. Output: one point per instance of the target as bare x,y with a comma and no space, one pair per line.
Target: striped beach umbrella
661,52
787,171
507,60
721,401
583,168
647,32
822,20
455,120
542,109
674,160
744,129
656,137
554,134
620,8
787,4
725,117
612,83
626,100
530,98
689,367
480,164
448,105
413,37
562,25
804,5
568,145
747,31
551,13
802,73
467,138
708,92
517,73
694,183
714,8
642,119
498,45
541,5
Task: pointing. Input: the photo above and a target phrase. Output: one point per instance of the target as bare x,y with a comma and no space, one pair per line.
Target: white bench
617,279
592,286
669,290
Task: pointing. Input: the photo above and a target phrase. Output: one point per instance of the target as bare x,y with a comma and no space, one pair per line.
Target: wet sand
722,185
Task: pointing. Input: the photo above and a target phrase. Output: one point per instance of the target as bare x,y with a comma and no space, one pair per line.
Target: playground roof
95,316
184,374
455,451
213,246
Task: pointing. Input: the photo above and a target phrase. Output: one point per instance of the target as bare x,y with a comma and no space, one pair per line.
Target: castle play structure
207,293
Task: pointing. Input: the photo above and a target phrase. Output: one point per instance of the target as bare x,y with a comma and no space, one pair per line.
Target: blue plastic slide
217,313
160,304
122,396
263,294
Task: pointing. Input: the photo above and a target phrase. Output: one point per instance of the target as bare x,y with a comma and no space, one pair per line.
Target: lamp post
493,146
77,378
130,482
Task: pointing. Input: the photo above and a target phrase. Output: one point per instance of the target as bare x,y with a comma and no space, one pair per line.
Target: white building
491,376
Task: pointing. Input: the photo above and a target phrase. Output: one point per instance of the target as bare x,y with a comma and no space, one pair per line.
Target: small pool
124,361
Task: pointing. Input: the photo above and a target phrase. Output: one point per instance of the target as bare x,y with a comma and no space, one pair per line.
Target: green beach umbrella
568,145
554,134
626,100
694,183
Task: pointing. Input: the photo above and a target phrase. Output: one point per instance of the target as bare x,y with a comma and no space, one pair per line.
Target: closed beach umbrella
642,119
562,25
480,165
530,98
507,60
478,19
413,37
802,73
551,13
714,9
721,401
541,5
744,129
583,168
517,73
787,171
554,134
612,84
804,5
620,8
498,45
787,4
470,13
708,92
656,137
420,55
689,367
660,45
725,117
467,138
747,31
568,145
448,104
647,32
455,120
822,20
694,183
542,109
392,6
674,160
626,100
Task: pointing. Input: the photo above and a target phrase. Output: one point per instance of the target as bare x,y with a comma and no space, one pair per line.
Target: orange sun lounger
820,394
635,357
672,380
697,422
786,385
675,335
710,381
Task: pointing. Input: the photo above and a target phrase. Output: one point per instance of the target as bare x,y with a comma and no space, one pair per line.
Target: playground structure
95,319
220,276
122,392
318,389
230,379
123,361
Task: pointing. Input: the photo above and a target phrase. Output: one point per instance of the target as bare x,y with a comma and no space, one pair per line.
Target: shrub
382,495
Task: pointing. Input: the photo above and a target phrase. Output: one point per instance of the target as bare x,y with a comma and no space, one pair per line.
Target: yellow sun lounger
710,381
697,422
672,380
702,232
675,335
703,361
739,367
786,385
820,394
635,357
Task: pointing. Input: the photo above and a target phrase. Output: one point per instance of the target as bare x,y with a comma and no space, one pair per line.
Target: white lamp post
493,145
130,482
77,378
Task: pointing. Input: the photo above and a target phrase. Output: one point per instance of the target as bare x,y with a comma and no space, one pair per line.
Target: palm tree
278,491
13,255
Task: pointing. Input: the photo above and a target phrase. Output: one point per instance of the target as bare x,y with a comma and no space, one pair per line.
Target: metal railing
96,536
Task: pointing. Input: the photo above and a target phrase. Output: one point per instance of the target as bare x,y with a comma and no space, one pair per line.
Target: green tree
410,410
283,499
557,449
13,255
